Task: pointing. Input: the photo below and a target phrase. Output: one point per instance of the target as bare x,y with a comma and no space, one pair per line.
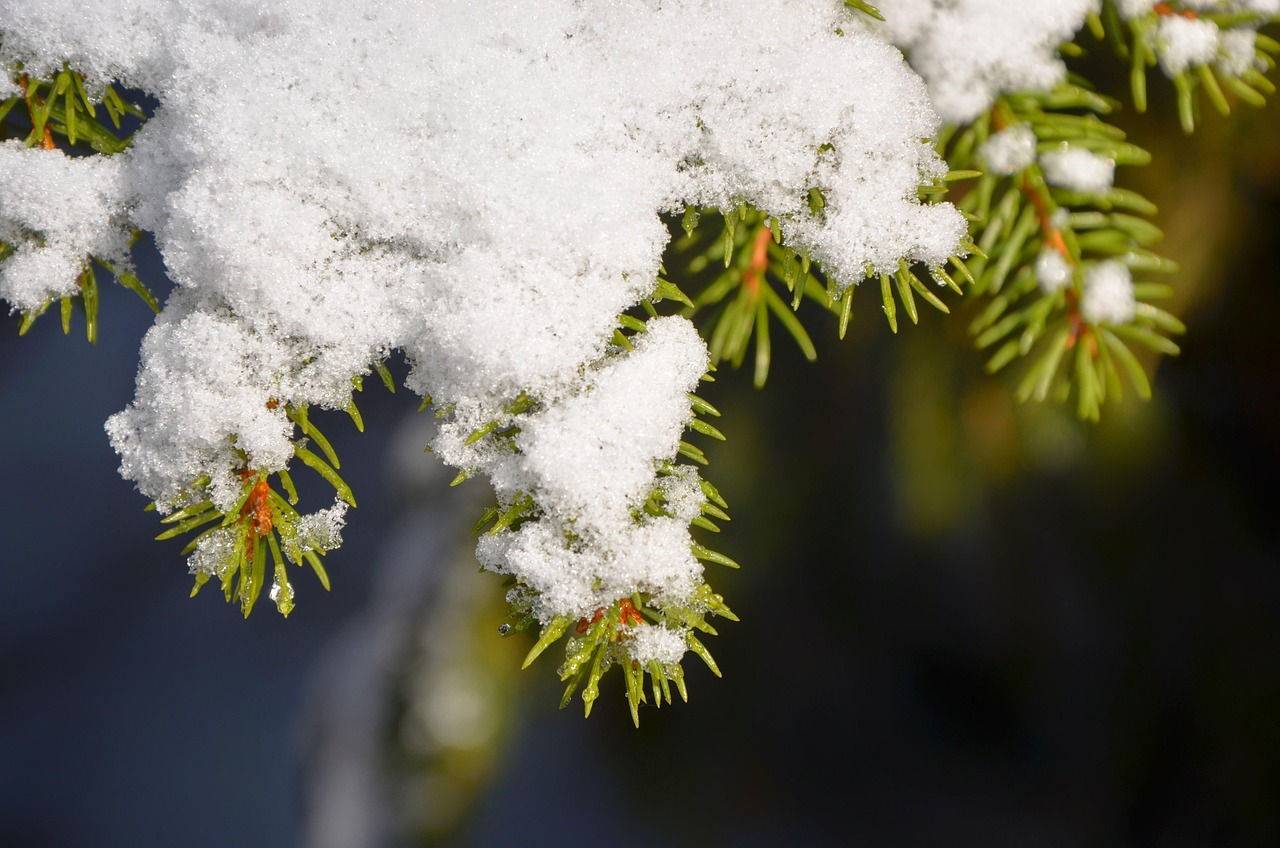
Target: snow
656,642
591,456
203,378
213,554
54,211
1135,8
589,462
1010,150
971,51
1053,271
1239,50
1108,294
1184,42
1078,169
328,182
318,531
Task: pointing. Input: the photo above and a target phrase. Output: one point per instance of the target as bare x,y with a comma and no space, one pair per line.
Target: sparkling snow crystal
479,187
319,531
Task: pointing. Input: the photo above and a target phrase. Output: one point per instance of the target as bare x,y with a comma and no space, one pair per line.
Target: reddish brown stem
752,277
627,614
34,102
1166,10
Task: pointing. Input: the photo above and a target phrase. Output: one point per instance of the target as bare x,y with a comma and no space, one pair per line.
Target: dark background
963,621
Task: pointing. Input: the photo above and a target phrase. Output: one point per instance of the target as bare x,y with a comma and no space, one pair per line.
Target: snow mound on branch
54,212
972,51
480,187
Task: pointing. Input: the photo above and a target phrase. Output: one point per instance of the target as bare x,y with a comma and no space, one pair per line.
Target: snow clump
972,51
1108,294
55,211
480,189
1078,169
1183,42
1053,271
1010,150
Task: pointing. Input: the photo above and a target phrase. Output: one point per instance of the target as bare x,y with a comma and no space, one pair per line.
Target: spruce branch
235,542
1062,254
61,108
646,632
1219,54
88,296
745,298
1050,257
764,281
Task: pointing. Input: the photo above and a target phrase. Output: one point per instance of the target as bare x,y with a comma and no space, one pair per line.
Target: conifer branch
646,632
1065,244
60,108
293,272
1218,54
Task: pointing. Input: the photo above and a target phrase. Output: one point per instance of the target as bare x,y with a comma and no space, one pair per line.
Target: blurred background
964,621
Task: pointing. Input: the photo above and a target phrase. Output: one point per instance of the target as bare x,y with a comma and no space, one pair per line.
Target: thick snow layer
589,463
480,187
601,442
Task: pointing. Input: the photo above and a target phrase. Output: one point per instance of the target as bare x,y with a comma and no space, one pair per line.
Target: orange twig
752,277
47,141
1166,10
